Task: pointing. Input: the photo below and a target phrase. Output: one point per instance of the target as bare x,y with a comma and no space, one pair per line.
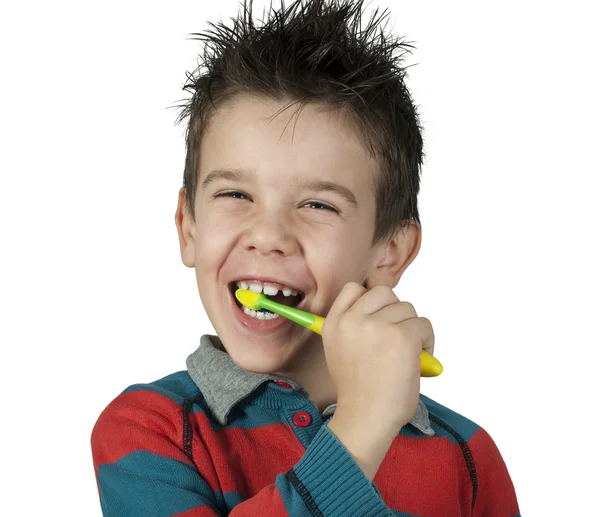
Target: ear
186,229
394,256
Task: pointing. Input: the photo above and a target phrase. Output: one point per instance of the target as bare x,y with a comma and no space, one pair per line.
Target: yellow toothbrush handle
430,366
316,326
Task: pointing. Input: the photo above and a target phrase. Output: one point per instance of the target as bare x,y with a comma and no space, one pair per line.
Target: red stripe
246,460
496,496
267,503
138,420
201,511
425,476
421,476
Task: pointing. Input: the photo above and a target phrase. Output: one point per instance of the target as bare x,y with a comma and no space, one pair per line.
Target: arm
495,491
140,464
367,445
142,470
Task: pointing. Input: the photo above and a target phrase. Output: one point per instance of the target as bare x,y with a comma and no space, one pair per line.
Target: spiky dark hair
316,51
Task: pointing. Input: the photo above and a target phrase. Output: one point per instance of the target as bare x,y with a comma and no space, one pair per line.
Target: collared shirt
224,384
213,438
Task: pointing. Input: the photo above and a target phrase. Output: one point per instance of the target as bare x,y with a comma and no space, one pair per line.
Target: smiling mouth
291,301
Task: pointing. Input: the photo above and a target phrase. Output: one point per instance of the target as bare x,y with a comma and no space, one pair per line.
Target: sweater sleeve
142,470
496,495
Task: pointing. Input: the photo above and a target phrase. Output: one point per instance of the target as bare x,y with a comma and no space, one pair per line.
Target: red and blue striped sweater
216,440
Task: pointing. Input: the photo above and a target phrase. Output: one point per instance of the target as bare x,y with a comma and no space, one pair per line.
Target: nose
270,234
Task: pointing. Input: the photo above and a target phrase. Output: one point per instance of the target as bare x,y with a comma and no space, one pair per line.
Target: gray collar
223,383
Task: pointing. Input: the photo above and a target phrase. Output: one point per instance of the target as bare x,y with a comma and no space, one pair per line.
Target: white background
94,296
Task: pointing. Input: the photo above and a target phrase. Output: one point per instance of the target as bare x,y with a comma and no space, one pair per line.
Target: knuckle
381,289
410,307
426,321
351,286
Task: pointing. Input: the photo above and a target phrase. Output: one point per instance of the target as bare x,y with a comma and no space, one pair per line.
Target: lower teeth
260,315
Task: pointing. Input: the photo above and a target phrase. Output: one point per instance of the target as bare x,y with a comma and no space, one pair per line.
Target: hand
372,342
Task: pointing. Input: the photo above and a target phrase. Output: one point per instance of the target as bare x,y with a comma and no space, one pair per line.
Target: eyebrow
241,175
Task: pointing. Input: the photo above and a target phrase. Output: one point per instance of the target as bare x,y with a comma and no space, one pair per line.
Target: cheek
336,258
213,238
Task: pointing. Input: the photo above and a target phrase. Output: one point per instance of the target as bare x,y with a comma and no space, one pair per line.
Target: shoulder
456,427
487,471
448,423
160,401
142,443
144,417
176,387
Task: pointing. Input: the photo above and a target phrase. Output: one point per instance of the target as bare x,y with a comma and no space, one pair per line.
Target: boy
319,210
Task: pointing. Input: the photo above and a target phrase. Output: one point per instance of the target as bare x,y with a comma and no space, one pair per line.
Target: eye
236,194
320,206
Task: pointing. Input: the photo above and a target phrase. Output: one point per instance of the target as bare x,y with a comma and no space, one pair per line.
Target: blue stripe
251,417
178,386
412,432
143,484
293,502
180,383
232,499
462,425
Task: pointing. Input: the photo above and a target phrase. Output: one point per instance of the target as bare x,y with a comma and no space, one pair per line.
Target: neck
311,372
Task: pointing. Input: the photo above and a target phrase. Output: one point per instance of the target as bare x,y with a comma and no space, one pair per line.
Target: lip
260,326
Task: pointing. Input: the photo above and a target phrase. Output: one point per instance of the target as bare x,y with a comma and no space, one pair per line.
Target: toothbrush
430,366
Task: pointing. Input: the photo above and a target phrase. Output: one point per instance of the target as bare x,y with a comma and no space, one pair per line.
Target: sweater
216,440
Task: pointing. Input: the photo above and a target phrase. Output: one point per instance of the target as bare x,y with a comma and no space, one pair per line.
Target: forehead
254,133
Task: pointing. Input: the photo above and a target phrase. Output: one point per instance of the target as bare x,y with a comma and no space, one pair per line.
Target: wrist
375,421
365,442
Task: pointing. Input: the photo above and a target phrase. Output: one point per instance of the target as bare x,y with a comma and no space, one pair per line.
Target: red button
302,419
284,384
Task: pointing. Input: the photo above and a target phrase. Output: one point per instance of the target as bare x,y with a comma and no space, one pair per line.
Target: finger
397,312
373,301
351,292
419,330
403,313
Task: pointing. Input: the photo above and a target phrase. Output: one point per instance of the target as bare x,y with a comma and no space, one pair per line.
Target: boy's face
269,224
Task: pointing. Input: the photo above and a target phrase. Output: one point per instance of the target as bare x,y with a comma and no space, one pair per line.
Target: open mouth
280,297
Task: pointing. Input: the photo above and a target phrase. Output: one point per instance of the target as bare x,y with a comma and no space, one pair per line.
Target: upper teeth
267,289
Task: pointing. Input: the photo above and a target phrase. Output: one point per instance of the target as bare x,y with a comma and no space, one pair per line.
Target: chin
258,357
257,363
